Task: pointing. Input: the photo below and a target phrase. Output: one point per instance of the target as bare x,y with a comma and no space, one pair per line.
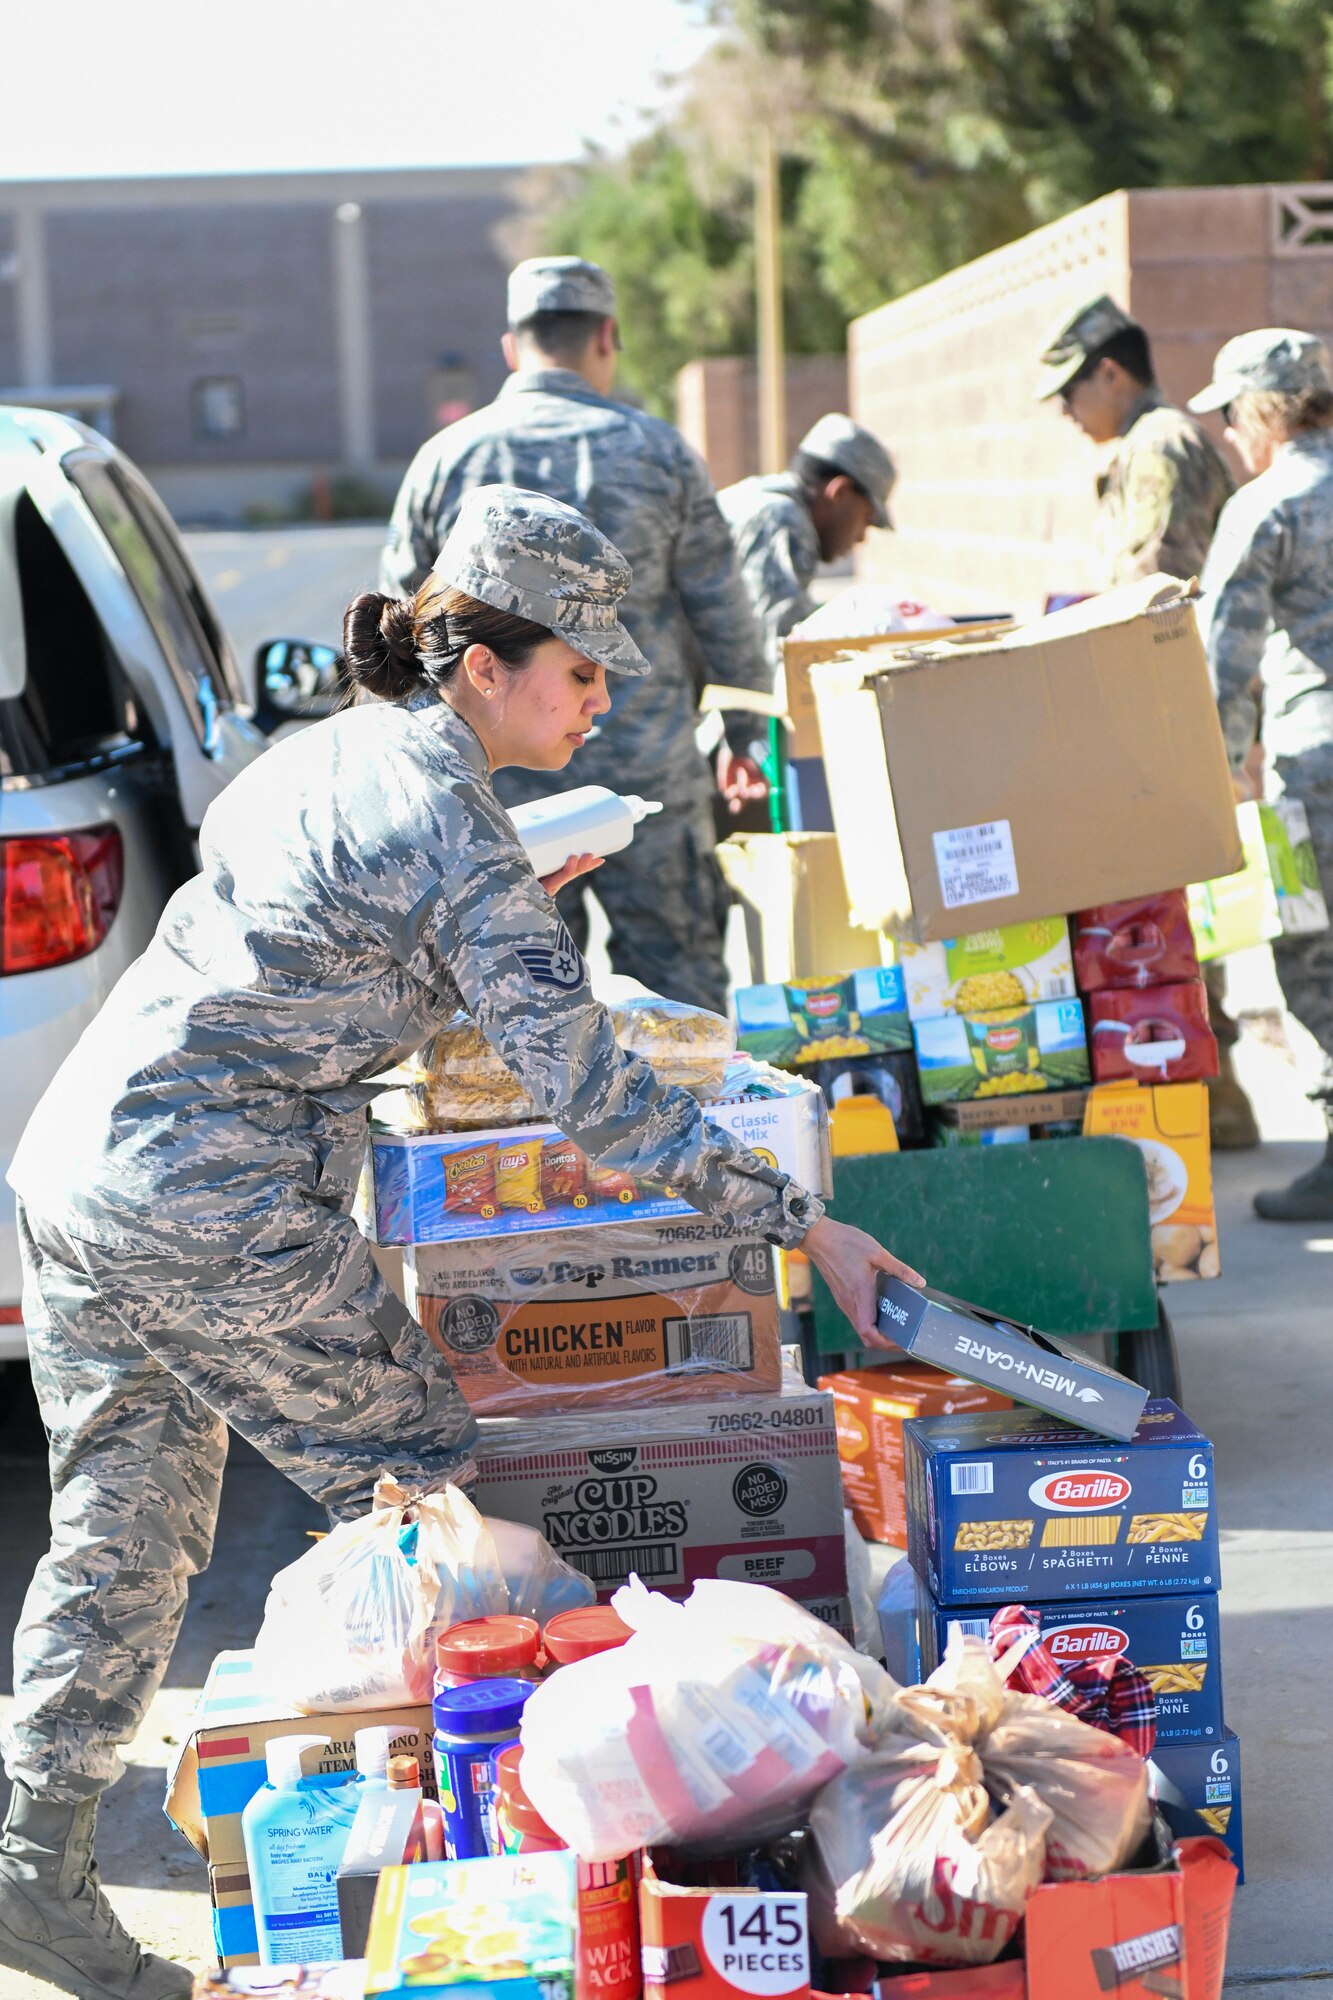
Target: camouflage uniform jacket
636,479
1161,494
359,883
778,551
1268,603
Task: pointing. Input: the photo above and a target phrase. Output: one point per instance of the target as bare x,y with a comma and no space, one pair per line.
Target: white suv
122,715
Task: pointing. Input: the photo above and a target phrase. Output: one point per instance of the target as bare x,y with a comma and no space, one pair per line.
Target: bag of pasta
687,1046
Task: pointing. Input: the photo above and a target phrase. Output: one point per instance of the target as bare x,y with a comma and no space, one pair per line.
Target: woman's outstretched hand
577,864
848,1260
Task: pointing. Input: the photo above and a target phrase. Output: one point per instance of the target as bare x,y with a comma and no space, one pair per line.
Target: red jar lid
522,1815
577,1635
488,1647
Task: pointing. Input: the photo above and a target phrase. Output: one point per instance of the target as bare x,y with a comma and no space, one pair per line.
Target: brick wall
717,407
995,504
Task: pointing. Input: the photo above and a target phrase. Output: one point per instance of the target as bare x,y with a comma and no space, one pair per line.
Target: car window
145,546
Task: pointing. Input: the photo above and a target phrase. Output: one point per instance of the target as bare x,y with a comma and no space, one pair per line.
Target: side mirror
295,681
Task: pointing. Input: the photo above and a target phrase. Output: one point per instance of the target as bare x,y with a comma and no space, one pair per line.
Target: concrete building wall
995,503
717,407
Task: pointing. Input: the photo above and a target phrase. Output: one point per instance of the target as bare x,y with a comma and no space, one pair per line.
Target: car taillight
11,1315
58,895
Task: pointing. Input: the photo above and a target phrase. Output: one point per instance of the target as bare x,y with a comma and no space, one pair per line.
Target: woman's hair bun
379,647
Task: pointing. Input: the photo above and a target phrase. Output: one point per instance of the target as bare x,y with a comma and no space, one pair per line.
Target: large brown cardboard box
797,923
1074,761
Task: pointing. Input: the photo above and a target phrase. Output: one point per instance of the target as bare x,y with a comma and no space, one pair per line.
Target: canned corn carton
1012,966
1002,1051
816,1020
1174,1641
1004,1507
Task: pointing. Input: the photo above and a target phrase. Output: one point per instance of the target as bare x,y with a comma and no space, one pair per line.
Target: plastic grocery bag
539,1583
861,1590
716,1723
353,1622
909,1863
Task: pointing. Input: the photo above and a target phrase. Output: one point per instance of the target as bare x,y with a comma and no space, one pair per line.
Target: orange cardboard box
870,1406
1168,1122
1155,1934
721,1944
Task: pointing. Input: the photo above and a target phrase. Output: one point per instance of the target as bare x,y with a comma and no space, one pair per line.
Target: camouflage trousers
1305,964
139,1367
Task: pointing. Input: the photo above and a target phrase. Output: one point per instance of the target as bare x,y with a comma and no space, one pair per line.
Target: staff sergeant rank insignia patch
559,965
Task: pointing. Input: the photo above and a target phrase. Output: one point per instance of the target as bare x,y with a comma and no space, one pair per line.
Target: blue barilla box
1203,1779
1174,1641
1007,1506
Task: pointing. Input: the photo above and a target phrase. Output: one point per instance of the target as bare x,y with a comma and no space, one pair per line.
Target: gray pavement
286,583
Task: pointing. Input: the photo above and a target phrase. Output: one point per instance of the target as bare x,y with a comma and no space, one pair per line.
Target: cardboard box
235,1930
1006,1508
1007,1981
982,783
791,890
220,1766
1147,942
1034,1367
1011,966
891,1078
445,1917
342,1981
1157,1034
1302,908
444,1187
1047,1107
870,1406
1175,1641
1276,892
1203,1779
746,1488
635,1311
1011,1051
815,1020
721,1944
1169,1125
386,1833
1141,1934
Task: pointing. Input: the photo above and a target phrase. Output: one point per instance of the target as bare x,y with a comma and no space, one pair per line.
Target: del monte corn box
1002,1051
1012,966
815,1020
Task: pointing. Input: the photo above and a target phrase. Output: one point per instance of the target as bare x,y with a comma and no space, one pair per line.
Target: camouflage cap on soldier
857,452
1074,338
534,556
1273,357
559,284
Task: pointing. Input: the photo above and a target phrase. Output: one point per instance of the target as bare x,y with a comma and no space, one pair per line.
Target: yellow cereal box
1168,1122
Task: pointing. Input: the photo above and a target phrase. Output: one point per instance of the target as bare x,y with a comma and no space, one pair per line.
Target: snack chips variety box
1002,1052
1169,1124
1153,1034
1202,1778
814,1020
1007,1506
870,1407
719,1944
500,1929
1174,1641
1147,942
1013,966
632,1312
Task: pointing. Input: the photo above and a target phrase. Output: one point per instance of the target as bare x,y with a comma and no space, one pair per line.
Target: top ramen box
1004,1506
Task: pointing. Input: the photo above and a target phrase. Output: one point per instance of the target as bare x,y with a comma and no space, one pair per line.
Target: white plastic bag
353,1622
861,1590
539,1583
716,1723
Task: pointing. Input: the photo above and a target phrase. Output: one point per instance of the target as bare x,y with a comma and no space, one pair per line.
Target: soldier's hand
739,779
848,1261
577,864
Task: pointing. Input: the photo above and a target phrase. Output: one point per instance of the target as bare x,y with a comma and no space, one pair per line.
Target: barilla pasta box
1201,1781
1031,1367
719,1944
1011,966
814,1020
1173,1641
1004,1507
503,1928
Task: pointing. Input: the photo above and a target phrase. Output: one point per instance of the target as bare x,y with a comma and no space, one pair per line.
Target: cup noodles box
1011,966
1154,1034
870,1407
1147,942
814,1020
746,1487
1202,1779
578,1317
1173,1640
1169,1125
1002,1052
1005,1506
433,1187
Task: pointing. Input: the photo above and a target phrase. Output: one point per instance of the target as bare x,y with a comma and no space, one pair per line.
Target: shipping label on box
1204,1779
1014,965
746,1488
1169,1125
1007,1508
813,1020
870,1407
1005,1052
1174,1641
631,1311
709,1944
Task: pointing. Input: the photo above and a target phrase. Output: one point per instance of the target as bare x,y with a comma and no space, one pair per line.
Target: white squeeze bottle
295,1830
589,820
372,1759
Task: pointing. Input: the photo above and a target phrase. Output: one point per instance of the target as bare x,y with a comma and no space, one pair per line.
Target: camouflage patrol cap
1074,338
1273,357
857,452
559,284
526,553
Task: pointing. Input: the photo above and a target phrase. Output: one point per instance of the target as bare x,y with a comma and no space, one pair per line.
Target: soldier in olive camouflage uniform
186,1181
1267,614
555,429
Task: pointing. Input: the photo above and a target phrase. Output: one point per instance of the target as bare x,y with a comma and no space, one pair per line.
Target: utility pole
768,302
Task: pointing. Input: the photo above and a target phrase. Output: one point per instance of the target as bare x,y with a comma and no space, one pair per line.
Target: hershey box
1032,1367
1202,1778
1003,1507
1174,1641
745,1487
